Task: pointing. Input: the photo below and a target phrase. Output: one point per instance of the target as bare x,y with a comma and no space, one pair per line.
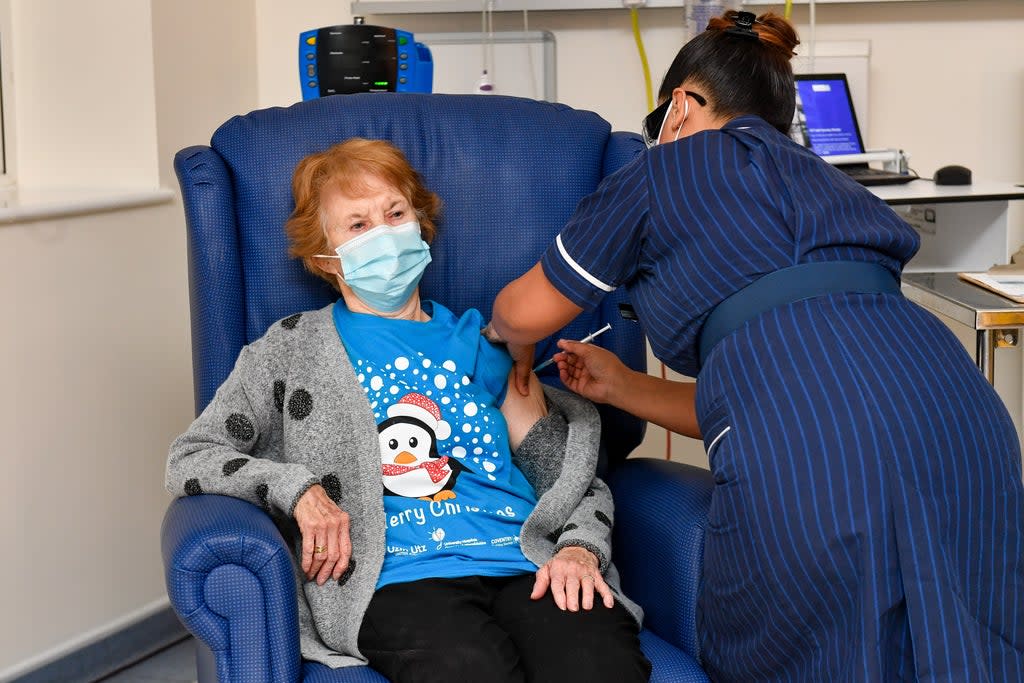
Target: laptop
826,123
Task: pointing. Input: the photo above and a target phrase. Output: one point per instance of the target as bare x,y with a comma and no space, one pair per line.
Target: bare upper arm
522,412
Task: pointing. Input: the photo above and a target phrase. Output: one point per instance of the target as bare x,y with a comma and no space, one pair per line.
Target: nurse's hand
573,577
591,372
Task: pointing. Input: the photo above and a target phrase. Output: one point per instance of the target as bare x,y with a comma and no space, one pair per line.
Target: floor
175,664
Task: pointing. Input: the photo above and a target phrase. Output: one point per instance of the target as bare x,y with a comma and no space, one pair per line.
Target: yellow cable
788,13
635,16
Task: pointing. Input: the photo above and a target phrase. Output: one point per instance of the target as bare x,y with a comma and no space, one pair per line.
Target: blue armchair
509,172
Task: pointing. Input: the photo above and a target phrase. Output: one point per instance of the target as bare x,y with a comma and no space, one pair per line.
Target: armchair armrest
230,579
661,511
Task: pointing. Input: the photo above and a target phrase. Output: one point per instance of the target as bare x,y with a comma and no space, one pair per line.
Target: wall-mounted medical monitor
340,60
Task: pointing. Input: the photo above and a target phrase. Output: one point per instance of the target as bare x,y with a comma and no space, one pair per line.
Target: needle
586,340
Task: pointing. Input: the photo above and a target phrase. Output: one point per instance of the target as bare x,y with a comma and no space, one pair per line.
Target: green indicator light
380,82
402,40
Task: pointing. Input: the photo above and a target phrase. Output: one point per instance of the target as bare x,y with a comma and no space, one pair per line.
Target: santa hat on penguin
421,408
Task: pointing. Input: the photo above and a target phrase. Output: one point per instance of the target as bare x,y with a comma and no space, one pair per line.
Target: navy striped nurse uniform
866,521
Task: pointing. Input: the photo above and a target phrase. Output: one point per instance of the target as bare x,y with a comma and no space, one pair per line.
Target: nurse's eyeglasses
652,123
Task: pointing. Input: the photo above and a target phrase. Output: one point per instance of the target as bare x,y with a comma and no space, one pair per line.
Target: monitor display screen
353,59
825,119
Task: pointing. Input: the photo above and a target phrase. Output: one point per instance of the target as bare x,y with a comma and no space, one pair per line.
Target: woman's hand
590,371
326,545
571,571
522,411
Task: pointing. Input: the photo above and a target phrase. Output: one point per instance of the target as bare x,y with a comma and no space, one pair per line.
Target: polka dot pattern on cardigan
240,428
332,485
347,574
279,395
300,404
262,491
233,465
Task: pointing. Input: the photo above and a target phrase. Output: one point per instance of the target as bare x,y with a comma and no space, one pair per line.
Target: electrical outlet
921,218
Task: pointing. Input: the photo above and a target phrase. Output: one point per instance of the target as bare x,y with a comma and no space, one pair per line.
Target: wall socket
920,218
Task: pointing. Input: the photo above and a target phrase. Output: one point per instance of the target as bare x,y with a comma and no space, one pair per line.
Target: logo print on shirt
469,435
410,465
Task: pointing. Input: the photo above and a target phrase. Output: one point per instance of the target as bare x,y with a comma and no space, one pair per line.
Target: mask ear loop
686,114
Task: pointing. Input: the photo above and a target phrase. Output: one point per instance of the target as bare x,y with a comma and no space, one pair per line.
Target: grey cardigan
292,414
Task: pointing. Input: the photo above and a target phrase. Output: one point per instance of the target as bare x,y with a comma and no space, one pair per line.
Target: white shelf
379,7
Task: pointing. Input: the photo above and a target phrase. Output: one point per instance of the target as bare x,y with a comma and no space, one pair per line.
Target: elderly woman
431,509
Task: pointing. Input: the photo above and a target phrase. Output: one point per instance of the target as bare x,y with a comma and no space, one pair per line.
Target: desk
918,191
997,322
962,227
966,228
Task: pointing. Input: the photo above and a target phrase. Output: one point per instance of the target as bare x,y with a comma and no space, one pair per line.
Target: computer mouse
953,175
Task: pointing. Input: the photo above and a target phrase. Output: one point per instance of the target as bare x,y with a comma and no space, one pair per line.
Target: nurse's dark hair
738,74
347,166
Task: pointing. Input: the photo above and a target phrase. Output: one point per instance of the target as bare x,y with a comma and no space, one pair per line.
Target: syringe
586,340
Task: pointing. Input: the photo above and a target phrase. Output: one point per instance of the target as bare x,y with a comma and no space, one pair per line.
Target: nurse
866,521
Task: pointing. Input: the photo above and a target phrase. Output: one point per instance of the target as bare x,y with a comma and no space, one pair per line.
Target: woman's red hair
346,167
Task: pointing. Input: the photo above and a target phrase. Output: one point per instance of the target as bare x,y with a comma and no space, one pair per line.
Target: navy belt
789,285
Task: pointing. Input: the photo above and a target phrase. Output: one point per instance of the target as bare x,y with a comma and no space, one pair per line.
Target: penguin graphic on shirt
410,464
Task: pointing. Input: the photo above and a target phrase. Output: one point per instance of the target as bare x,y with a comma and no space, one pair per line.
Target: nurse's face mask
654,123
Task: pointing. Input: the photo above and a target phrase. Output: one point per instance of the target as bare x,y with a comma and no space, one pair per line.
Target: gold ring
319,549
587,576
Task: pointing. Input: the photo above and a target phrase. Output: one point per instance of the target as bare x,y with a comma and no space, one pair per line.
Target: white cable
490,38
483,32
529,56
485,85
810,52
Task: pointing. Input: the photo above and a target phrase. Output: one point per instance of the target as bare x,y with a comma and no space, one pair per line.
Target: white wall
84,78
203,60
278,25
95,354
93,358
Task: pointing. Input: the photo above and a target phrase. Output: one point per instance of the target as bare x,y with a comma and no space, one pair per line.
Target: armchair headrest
509,172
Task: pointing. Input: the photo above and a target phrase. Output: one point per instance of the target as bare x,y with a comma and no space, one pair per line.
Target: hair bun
777,32
771,29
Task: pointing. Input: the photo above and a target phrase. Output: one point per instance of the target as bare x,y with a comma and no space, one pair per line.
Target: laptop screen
824,120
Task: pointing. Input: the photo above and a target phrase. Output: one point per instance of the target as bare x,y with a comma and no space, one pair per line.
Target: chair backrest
509,172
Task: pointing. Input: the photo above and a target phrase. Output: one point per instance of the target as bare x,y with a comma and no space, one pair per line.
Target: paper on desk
1014,267
1007,283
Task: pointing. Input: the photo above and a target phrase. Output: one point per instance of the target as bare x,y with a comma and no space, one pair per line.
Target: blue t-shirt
454,503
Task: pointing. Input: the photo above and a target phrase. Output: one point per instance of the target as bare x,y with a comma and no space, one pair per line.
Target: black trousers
481,629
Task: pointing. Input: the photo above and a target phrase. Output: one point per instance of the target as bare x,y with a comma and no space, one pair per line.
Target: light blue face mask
384,264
